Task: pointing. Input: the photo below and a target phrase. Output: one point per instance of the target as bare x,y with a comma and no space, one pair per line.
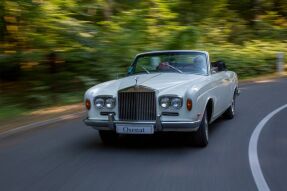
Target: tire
200,137
230,112
108,137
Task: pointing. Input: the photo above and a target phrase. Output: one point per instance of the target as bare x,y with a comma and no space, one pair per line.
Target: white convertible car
164,91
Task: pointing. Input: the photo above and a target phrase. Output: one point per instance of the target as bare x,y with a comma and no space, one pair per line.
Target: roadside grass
10,111
262,77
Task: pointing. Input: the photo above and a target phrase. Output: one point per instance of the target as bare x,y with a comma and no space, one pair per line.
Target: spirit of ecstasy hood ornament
136,79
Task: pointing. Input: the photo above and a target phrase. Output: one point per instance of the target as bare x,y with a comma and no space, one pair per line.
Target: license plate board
134,129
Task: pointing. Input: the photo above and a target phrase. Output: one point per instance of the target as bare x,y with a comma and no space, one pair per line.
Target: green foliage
253,58
49,49
11,111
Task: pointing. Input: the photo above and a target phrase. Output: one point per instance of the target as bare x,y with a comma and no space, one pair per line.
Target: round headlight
165,102
99,103
176,103
110,103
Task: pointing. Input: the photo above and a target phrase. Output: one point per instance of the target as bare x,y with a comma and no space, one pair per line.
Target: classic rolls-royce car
164,91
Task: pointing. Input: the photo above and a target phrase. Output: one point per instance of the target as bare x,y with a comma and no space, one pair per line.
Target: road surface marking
253,154
41,123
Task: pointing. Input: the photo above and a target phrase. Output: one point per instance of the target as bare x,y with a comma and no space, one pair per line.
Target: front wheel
200,137
108,137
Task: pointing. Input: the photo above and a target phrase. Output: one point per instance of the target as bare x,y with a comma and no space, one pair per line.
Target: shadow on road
158,141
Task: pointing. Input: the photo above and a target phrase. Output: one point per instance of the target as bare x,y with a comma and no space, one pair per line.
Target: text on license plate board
134,129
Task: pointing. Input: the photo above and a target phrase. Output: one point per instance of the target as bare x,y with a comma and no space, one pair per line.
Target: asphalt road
69,156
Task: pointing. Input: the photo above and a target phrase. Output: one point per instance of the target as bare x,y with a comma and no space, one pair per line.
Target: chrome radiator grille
137,104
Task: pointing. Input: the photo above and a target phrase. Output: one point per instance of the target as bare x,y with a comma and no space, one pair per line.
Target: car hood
161,82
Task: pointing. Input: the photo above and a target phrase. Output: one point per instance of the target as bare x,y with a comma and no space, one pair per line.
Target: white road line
41,123
253,154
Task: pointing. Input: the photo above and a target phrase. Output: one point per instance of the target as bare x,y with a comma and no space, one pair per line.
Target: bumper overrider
173,126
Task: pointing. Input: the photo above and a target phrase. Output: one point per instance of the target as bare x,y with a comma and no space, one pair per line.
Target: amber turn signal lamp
188,104
88,104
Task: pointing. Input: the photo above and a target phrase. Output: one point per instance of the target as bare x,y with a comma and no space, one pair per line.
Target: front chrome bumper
173,126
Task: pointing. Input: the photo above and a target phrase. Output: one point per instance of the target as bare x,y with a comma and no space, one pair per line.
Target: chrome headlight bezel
164,102
176,103
105,100
171,102
110,103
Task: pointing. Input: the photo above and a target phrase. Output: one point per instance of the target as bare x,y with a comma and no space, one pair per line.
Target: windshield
179,62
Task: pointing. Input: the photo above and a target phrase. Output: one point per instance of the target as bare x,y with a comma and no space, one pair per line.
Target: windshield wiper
145,69
176,69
